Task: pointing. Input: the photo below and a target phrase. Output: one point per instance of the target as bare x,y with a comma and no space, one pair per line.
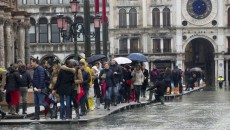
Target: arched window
79,19
229,17
166,17
122,18
133,18
69,21
156,17
92,29
123,46
43,30
55,36
32,30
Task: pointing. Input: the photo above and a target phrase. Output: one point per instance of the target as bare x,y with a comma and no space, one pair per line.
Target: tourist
138,79
145,84
106,76
24,85
12,86
64,87
40,89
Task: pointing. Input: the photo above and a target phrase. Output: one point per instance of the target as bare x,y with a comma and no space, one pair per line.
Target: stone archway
199,52
52,58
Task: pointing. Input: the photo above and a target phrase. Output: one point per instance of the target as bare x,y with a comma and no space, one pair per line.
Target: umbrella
2,70
95,58
137,57
122,60
196,69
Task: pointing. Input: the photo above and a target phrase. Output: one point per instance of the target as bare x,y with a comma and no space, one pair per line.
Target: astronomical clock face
199,12
199,9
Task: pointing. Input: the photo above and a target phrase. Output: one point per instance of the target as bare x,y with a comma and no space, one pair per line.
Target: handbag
91,92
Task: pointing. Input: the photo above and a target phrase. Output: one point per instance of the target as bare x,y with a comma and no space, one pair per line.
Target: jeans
39,99
23,93
137,92
62,100
108,93
116,91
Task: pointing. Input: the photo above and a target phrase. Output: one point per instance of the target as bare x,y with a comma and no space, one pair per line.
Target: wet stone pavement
202,110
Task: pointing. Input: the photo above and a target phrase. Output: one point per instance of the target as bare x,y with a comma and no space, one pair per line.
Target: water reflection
206,109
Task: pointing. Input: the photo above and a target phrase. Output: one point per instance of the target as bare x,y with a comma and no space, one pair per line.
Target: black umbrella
95,58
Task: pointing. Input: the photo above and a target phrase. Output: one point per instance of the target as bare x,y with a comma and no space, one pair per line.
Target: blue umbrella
137,57
95,58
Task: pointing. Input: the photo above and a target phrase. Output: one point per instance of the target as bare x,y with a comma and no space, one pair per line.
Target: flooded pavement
202,110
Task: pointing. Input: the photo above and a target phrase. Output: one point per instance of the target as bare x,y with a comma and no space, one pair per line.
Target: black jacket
12,80
109,77
65,82
86,79
25,78
161,87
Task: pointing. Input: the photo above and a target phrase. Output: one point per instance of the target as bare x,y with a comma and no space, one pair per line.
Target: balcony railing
156,50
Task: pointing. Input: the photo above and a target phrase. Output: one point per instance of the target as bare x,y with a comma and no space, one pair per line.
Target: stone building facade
45,39
174,32
170,32
13,33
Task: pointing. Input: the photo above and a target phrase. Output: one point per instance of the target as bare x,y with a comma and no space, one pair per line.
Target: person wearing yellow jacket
220,79
90,103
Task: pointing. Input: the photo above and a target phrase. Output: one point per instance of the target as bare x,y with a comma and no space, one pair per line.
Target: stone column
145,43
162,45
2,51
8,43
21,42
226,77
216,66
161,18
128,45
144,8
27,45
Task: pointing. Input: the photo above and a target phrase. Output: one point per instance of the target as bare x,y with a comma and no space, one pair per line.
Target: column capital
8,22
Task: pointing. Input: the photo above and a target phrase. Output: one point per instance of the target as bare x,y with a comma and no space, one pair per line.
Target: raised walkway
91,116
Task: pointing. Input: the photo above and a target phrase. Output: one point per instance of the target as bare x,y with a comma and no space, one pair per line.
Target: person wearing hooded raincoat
90,103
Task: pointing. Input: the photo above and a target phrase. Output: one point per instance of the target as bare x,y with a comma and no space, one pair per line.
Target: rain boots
98,103
36,114
2,113
150,96
13,109
176,90
77,113
107,104
24,108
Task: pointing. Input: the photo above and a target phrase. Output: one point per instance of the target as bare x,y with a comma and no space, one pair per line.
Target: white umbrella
122,60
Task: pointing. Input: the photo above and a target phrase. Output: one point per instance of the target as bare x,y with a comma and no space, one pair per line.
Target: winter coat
25,78
109,77
168,77
176,75
39,78
119,76
138,77
161,87
65,82
86,79
87,69
12,80
154,75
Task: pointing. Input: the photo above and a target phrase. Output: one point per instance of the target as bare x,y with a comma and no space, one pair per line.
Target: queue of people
82,87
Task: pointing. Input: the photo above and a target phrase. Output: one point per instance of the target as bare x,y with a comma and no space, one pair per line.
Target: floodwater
203,110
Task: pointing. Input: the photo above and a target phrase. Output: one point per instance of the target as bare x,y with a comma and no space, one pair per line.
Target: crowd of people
84,87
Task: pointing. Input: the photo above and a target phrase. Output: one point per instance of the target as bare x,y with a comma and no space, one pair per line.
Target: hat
127,67
81,63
